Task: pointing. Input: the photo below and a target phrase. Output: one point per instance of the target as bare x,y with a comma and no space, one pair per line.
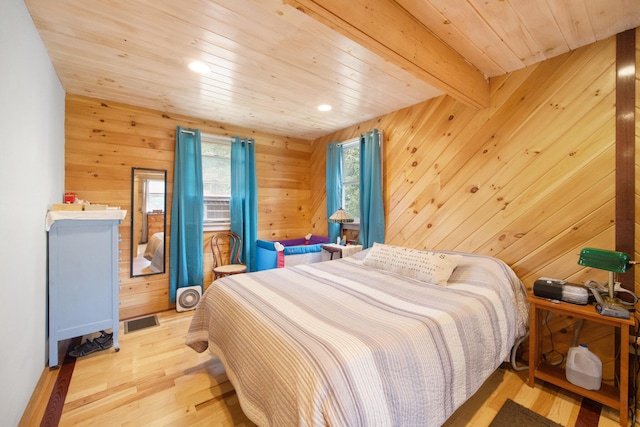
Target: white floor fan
188,298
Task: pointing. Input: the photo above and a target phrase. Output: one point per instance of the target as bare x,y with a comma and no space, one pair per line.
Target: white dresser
83,275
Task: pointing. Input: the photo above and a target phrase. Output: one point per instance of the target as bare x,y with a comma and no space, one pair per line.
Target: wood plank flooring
156,380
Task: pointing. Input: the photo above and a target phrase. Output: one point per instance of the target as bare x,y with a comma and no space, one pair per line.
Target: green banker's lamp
611,261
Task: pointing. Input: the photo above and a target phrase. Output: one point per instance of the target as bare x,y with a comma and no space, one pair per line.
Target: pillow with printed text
426,266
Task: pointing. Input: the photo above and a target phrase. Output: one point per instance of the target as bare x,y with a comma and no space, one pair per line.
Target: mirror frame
136,171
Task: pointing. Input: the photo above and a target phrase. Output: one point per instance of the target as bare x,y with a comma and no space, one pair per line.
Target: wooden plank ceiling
273,63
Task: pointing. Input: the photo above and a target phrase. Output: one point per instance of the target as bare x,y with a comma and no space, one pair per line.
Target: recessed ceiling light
199,67
324,107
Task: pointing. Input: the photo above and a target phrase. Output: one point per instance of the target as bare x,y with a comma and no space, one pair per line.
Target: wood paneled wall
530,180
104,140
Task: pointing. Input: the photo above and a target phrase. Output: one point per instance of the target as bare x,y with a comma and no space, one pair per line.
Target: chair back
226,247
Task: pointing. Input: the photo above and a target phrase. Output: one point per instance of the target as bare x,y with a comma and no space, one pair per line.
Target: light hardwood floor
156,380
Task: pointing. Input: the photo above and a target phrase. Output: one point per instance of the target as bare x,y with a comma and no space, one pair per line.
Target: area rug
513,414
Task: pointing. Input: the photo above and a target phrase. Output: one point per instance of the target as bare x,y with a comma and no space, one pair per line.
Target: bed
362,341
154,252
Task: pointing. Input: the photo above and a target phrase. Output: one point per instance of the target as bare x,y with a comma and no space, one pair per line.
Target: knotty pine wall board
104,140
530,179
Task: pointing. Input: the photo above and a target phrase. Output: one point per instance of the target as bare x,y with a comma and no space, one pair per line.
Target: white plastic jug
584,368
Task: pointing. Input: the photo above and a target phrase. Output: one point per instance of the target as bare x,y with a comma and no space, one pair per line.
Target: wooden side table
615,397
341,250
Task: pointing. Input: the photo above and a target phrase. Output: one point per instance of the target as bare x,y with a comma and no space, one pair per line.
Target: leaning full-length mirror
148,224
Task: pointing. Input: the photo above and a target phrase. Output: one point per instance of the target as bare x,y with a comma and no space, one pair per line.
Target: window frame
148,196
212,224
350,144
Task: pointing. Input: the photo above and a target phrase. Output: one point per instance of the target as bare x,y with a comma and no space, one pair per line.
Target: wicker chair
219,242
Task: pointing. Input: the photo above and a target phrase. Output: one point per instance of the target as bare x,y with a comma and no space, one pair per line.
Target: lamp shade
341,216
602,259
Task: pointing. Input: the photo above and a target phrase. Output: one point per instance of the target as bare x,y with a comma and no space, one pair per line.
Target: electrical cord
514,362
633,395
618,288
516,345
603,288
547,356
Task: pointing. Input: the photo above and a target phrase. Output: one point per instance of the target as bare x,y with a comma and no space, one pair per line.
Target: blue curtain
187,214
334,186
244,198
372,223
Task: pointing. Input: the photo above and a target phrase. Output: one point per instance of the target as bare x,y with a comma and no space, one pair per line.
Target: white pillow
431,267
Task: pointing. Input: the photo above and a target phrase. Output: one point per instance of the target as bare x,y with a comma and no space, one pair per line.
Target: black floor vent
140,323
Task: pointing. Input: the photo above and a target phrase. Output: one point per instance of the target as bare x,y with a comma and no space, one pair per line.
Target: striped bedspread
338,343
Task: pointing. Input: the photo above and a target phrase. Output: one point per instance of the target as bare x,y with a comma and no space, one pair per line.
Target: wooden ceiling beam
388,30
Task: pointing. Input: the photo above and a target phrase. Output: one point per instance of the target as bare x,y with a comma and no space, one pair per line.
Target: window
351,178
216,177
155,195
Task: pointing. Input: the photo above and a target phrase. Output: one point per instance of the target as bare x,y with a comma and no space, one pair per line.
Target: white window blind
216,177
